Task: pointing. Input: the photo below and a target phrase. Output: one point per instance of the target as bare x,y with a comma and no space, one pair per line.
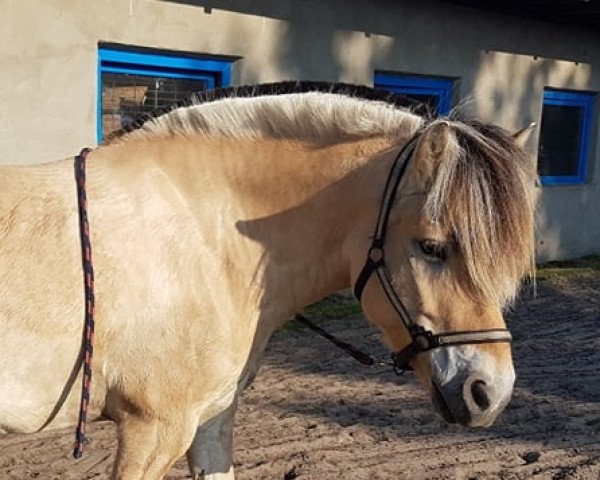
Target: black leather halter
422,339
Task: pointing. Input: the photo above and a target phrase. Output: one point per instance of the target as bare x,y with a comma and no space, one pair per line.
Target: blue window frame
564,137
434,91
133,82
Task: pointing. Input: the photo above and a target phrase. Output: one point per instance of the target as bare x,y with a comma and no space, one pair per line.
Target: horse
214,222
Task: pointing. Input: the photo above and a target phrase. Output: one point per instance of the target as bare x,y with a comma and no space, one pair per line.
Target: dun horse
212,224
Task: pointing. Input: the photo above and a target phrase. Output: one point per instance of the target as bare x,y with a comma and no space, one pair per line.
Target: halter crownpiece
422,340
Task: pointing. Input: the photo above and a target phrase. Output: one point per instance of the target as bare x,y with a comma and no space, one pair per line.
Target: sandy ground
313,413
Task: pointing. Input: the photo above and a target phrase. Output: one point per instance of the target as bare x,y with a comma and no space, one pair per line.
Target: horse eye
433,249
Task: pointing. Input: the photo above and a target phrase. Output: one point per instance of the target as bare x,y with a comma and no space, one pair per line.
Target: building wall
48,76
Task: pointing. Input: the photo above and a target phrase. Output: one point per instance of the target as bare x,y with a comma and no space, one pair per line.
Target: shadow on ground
556,355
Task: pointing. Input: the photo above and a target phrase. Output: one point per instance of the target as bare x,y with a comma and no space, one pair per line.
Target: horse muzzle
472,397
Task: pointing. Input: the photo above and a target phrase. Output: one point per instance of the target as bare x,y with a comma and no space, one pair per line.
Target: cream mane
314,117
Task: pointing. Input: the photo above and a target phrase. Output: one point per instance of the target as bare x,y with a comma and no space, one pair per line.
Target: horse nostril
480,396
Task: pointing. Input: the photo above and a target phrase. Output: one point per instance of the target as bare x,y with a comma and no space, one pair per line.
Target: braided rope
88,276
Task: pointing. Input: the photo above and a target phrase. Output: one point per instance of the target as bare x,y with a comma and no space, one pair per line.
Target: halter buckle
423,339
376,253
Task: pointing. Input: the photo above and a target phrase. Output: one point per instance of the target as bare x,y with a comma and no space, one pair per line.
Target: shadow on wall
306,41
508,90
358,16
567,222
347,41
508,87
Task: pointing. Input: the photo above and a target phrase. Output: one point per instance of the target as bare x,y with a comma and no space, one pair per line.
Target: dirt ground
313,413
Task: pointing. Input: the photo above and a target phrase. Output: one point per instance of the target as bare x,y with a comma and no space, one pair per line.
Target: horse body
38,311
173,326
203,245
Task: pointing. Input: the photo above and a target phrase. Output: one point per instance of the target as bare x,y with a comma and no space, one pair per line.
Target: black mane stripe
278,88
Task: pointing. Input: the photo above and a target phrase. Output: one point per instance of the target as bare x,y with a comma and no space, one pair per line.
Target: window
433,91
564,137
131,83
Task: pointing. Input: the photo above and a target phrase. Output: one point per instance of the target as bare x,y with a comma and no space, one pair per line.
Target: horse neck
280,217
307,208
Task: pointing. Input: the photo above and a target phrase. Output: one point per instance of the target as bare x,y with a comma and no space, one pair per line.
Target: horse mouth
440,404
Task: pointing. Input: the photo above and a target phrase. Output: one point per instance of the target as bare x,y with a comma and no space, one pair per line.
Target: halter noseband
422,339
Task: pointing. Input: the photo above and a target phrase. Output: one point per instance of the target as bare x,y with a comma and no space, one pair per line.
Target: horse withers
212,224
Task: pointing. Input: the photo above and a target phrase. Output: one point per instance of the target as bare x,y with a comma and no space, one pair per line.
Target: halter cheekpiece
422,340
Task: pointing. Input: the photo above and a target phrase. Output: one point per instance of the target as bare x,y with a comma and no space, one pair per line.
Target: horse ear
437,140
436,143
523,135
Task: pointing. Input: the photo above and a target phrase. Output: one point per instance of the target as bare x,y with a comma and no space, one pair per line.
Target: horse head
458,239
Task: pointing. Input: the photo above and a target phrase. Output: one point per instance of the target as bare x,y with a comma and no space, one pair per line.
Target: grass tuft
338,305
568,268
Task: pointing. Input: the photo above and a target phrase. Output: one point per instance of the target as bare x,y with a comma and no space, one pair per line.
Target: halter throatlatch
422,339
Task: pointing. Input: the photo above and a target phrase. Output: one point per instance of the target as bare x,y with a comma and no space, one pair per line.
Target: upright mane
316,112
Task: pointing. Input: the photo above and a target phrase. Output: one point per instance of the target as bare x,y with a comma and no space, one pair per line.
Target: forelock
484,193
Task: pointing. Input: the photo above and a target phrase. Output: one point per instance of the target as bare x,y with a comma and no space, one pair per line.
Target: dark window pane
560,140
126,96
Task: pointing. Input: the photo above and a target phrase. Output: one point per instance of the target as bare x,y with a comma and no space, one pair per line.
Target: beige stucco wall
48,68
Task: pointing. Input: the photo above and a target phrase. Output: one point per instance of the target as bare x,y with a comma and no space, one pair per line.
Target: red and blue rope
88,275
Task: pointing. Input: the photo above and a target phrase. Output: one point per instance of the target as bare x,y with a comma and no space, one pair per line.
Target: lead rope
88,280
354,352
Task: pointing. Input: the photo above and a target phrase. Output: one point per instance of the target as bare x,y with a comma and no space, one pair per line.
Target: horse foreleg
148,447
210,456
